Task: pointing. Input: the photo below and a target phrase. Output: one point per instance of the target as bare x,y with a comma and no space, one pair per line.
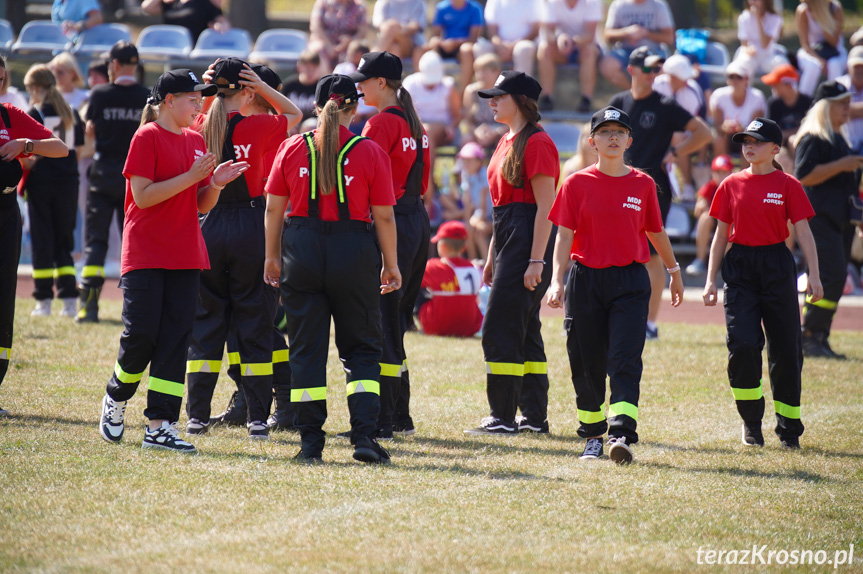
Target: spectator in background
456,27
75,16
97,74
853,81
759,28
70,80
786,107
478,115
300,88
732,107
822,49
475,198
334,23
355,53
631,24
569,36
400,25
512,27
9,94
721,168
194,15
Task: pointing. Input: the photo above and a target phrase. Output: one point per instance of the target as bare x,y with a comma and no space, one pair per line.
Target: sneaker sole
368,455
108,437
259,437
163,447
407,432
620,455
754,444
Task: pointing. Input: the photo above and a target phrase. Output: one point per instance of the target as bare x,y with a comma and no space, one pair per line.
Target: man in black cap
112,117
655,118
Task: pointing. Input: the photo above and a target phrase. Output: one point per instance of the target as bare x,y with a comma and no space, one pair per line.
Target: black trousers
233,296
606,318
105,197
52,206
331,272
761,286
413,233
10,253
517,371
833,245
158,313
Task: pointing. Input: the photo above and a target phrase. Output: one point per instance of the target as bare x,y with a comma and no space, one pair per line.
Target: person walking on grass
752,209
605,214
170,179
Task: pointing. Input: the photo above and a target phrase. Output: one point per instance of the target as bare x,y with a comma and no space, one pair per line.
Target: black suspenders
341,184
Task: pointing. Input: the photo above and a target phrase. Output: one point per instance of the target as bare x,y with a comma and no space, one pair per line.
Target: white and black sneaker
527,425
592,450
258,430
197,426
618,450
111,426
493,426
167,437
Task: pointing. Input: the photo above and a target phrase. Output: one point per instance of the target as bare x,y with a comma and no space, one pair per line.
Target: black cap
832,91
226,73
336,87
378,65
267,74
512,82
762,129
178,82
607,115
644,57
123,52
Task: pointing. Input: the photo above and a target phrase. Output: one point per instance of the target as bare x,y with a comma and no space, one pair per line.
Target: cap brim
603,122
738,137
357,77
206,89
840,97
651,61
491,93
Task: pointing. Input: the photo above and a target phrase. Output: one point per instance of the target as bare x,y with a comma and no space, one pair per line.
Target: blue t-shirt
74,10
456,23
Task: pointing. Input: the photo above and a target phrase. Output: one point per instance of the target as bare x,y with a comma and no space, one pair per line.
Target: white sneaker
111,426
70,308
167,437
618,450
43,308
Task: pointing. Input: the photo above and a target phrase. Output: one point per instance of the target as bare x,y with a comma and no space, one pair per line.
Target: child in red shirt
752,209
720,169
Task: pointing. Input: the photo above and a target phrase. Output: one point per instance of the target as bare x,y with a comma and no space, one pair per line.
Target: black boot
235,414
283,416
88,304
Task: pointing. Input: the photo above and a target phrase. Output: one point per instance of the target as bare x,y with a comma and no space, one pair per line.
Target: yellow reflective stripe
405,366
5,353
535,368
364,386
166,387
823,303
125,377
308,395
748,394
313,165
514,369
388,370
203,366
591,417
60,271
786,411
623,408
43,274
282,356
340,167
233,359
256,369
93,271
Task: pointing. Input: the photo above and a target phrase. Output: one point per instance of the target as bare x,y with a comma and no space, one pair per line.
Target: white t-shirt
14,97
651,14
431,103
513,17
690,97
747,28
754,104
571,21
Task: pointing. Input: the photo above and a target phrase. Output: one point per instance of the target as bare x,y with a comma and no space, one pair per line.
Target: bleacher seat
565,136
7,35
678,224
280,46
164,42
233,43
40,37
94,42
717,60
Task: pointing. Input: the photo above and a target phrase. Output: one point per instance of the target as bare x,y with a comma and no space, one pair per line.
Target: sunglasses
651,69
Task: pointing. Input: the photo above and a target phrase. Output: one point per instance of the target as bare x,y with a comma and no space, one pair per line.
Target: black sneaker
493,426
831,354
111,426
303,458
618,450
384,434
235,413
752,434
813,348
584,106
197,426
526,425
592,449
791,443
258,430
344,434
651,334
368,450
166,437
404,429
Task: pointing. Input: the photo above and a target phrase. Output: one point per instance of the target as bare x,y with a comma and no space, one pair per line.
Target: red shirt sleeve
141,160
540,156
798,204
720,207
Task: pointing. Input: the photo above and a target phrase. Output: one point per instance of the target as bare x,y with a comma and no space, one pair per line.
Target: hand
849,162
676,289
555,296
488,272
564,44
731,126
815,290
203,166
228,172
210,74
272,271
709,294
391,280
251,80
635,33
12,149
533,276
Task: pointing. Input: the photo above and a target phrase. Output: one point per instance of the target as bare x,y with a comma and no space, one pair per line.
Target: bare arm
51,147
666,253
152,7
807,243
147,193
273,222
823,172
562,247
543,193
662,36
717,252
699,136
279,101
385,226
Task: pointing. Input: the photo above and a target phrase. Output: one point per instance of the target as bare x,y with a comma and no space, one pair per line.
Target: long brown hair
216,123
407,104
512,167
327,144
41,75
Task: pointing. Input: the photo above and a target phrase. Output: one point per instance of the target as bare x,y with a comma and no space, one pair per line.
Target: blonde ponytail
41,76
150,114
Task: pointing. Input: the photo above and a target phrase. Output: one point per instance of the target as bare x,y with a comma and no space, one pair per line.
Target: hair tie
220,95
340,100
152,101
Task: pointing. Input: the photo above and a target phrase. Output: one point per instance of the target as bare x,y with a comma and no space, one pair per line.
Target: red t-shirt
367,171
166,235
254,138
708,190
393,134
540,156
609,216
23,126
453,309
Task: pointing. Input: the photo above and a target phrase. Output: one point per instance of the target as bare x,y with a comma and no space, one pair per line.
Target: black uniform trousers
761,285
158,313
413,233
606,319
833,245
10,253
331,271
105,197
517,371
233,295
52,205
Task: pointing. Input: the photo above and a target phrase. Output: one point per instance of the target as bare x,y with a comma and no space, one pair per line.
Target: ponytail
150,114
327,144
777,165
406,102
216,123
512,168
41,75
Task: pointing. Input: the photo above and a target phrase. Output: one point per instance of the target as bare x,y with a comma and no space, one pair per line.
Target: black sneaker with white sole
111,425
167,437
303,458
404,429
752,434
618,450
197,426
592,449
527,425
792,443
368,450
493,426
258,430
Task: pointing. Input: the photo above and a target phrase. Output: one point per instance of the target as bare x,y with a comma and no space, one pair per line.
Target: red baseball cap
722,163
451,230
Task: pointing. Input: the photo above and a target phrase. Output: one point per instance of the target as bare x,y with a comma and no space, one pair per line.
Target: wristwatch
28,146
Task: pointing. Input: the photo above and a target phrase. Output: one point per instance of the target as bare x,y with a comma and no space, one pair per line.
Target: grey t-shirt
651,14
402,11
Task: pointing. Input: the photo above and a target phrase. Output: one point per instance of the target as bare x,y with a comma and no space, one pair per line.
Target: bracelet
674,269
536,261
212,184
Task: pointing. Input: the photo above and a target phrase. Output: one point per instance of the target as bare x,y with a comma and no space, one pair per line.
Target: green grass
73,503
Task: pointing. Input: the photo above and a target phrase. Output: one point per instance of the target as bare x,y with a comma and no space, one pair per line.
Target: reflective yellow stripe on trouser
623,408
233,359
166,387
43,274
748,394
60,271
92,271
786,411
5,353
591,417
822,303
203,366
282,356
256,369
388,370
308,395
535,368
364,386
124,377
513,369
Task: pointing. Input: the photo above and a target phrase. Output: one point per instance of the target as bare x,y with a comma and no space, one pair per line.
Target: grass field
449,503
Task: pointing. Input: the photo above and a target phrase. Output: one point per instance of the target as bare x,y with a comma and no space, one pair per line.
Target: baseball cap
762,129
644,57
450,230
471,150
270,77
515,83
779,73
124,52
832,90
855,56
378,65
430,68
226,73
336,87
609,114
722,163
735,68
178,82
678,66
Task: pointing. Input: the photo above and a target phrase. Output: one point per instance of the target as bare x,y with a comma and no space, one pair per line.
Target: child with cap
606,214
721,168
448,304
752,208
786,106
171,178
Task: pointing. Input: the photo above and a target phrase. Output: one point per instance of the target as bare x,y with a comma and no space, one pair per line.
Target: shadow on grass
40,420
508,443
743,472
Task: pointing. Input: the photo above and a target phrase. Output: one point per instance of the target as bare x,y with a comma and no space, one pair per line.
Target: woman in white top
759,28
822,50
732,107
70,80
